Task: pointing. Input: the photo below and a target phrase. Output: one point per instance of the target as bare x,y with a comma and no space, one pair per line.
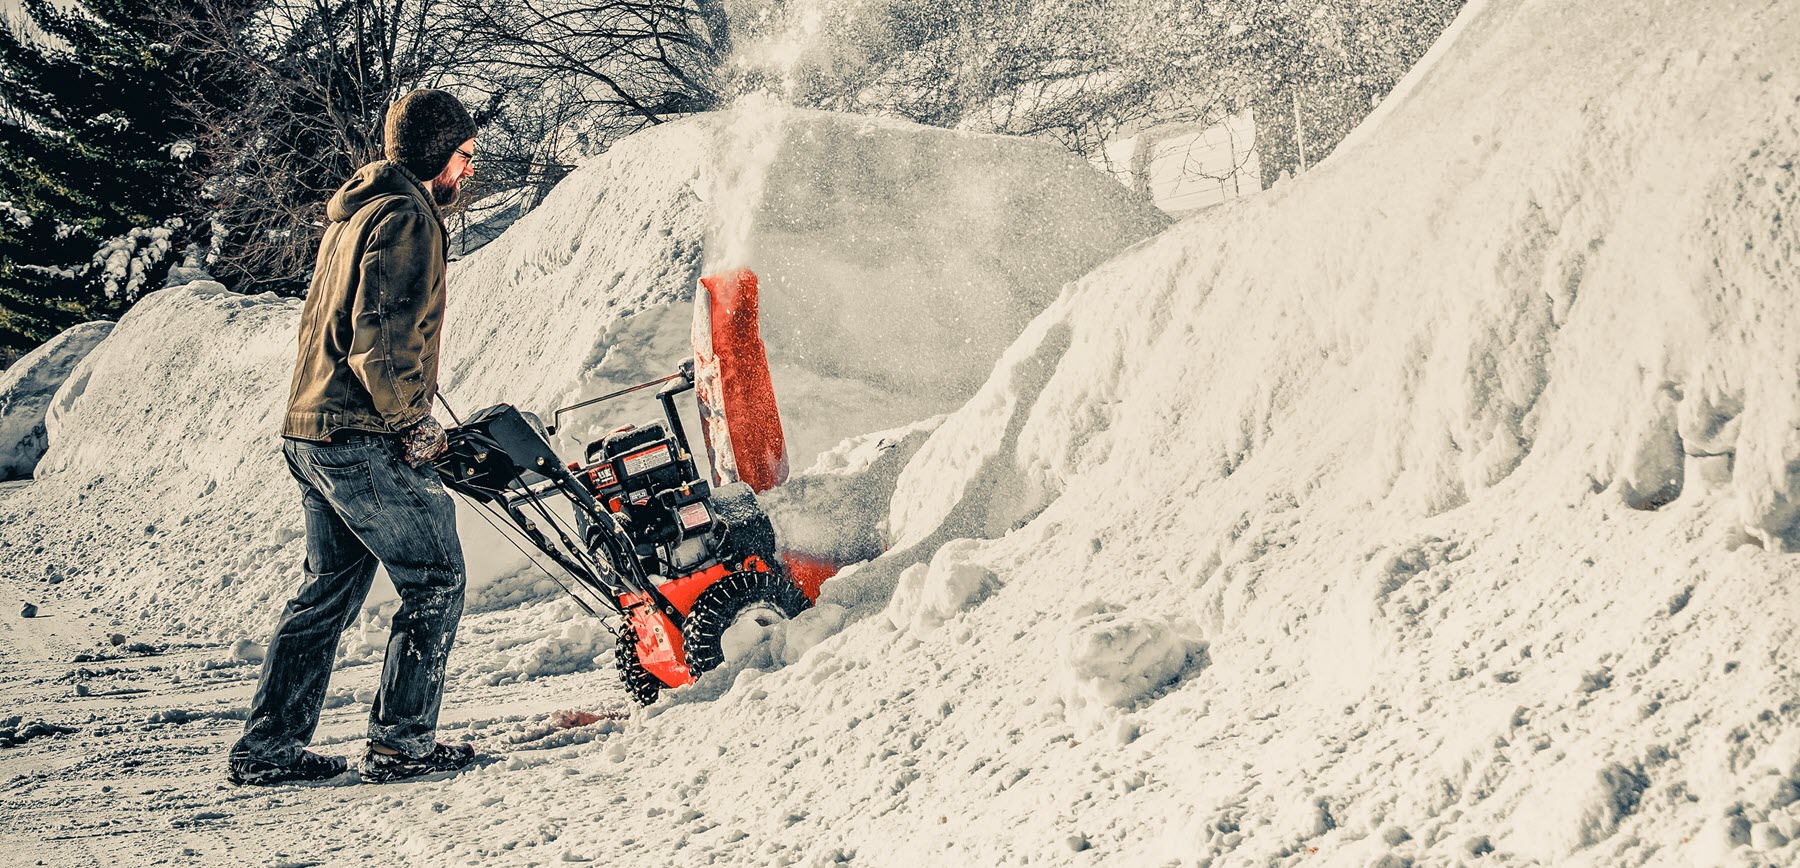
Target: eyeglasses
467,156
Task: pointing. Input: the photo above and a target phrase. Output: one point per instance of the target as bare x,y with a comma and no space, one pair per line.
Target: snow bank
184,394
1436,342
26,389
934,246
1471,455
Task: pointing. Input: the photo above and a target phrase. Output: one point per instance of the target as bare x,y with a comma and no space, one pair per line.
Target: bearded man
357,436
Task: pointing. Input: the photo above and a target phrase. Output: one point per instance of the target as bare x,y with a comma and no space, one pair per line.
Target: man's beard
445,196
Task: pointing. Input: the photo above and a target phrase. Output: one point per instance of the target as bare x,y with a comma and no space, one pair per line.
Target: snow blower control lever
685,372
679,561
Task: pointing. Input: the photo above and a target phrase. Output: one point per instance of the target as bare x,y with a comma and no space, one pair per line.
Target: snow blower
680,560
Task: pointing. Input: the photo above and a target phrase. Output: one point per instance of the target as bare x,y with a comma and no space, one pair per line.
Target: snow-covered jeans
363,504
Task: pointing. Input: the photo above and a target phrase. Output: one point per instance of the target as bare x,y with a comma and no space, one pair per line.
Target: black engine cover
619,442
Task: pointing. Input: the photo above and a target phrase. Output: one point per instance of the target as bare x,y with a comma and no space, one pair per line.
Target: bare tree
547,80
1075,71
1083,72
316,78
605,68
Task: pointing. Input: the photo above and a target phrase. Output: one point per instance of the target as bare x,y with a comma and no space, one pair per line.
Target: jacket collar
377,179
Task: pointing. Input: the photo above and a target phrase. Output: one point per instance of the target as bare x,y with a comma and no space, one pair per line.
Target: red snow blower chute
679,558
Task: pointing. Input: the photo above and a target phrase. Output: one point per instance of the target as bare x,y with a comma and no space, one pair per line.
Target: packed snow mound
185,393
935,246
26,390
1470,455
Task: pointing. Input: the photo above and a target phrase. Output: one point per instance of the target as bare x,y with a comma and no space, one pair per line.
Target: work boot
244,770
381,768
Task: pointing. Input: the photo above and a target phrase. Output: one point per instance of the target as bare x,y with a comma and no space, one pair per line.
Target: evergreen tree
93,139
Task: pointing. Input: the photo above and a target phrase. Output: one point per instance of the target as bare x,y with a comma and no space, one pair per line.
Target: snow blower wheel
738,600
741,601
639,684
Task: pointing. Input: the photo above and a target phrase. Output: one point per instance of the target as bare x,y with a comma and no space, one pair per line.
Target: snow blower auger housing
680,561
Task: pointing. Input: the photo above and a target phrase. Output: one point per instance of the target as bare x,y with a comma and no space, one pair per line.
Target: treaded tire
720,604
639,684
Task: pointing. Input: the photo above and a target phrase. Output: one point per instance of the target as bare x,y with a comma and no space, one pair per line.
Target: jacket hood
371,182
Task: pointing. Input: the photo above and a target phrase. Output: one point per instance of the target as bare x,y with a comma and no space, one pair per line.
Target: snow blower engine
680,561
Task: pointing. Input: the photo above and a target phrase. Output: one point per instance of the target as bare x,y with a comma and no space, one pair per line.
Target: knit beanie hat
424,128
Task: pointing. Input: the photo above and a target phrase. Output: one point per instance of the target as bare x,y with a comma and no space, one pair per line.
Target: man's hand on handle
423,442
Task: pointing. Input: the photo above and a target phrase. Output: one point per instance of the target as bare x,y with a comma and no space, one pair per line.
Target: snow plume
734,183
780,42
776,45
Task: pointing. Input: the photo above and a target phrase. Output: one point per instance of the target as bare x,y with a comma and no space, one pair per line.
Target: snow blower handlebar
498,457
684,372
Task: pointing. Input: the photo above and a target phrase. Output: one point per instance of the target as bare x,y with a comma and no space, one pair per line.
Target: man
357,435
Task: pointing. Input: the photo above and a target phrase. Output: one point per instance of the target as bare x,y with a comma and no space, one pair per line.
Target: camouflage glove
423,442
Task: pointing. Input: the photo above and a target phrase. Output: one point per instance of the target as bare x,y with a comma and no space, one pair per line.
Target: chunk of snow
930,594
1114,659
248,651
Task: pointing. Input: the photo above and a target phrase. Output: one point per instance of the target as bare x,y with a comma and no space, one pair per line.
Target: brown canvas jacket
369,331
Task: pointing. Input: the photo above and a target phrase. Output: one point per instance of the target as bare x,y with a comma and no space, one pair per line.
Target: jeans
363,504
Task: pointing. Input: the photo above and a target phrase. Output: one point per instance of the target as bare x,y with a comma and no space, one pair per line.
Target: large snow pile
1431,508
27,388
899,261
